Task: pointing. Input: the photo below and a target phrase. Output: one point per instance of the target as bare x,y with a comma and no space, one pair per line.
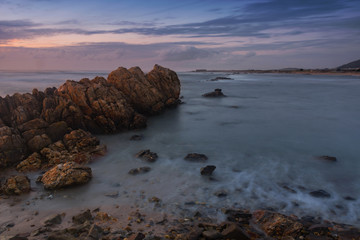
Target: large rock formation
39,122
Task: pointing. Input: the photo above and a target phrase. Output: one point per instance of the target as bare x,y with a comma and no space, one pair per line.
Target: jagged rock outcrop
150,93
39,122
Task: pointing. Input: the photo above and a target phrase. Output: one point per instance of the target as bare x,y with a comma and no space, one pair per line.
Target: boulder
65,175
147,155
83,217
208,170
216,93
196,157
234,231
16,185
80,140
150,93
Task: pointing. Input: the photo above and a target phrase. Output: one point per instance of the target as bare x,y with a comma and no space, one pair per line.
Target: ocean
264,138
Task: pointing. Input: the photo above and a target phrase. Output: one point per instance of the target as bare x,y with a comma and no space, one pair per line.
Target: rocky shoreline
51,132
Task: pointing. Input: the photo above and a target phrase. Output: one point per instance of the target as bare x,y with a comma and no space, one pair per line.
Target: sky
182,35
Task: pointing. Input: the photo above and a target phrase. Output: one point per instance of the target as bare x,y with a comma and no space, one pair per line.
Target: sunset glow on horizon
261,34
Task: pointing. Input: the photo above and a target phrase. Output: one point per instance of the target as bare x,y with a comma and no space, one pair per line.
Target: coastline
186,223
304,72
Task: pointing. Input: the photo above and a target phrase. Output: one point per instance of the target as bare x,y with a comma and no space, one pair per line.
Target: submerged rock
327,158
16,185
208,170
65,175
216,93
136,137
147,155
320,194
196,157
221,78
139,170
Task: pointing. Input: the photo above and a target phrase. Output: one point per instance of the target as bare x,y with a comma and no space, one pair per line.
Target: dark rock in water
82,217
136,137
196,157
147,155
221,193
65,175
139,170
208,170
348,198
216,93
221,78
112,194
16,185
287,188
320,194
238,215
327,158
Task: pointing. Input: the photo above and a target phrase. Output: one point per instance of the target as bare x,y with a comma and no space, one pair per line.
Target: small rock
82,217
155,199
147,155
348,198
216,93
112,195
221,193
327,158
136,138
208,170
139,170
196,157
320,194
54,220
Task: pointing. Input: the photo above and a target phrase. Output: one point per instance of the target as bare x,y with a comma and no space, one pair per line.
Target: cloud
187,53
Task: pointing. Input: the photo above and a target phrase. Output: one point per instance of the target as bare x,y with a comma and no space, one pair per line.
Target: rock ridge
37,127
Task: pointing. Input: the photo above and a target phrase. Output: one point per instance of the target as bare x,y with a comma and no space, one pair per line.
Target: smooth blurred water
263,136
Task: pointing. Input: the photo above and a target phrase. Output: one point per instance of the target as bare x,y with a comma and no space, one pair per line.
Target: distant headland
352,68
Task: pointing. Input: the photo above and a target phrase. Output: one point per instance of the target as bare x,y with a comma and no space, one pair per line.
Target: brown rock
32,163
80,140
16,185
149,93
147,155
65,175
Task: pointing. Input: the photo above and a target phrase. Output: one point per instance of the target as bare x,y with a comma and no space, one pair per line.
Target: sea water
264,138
